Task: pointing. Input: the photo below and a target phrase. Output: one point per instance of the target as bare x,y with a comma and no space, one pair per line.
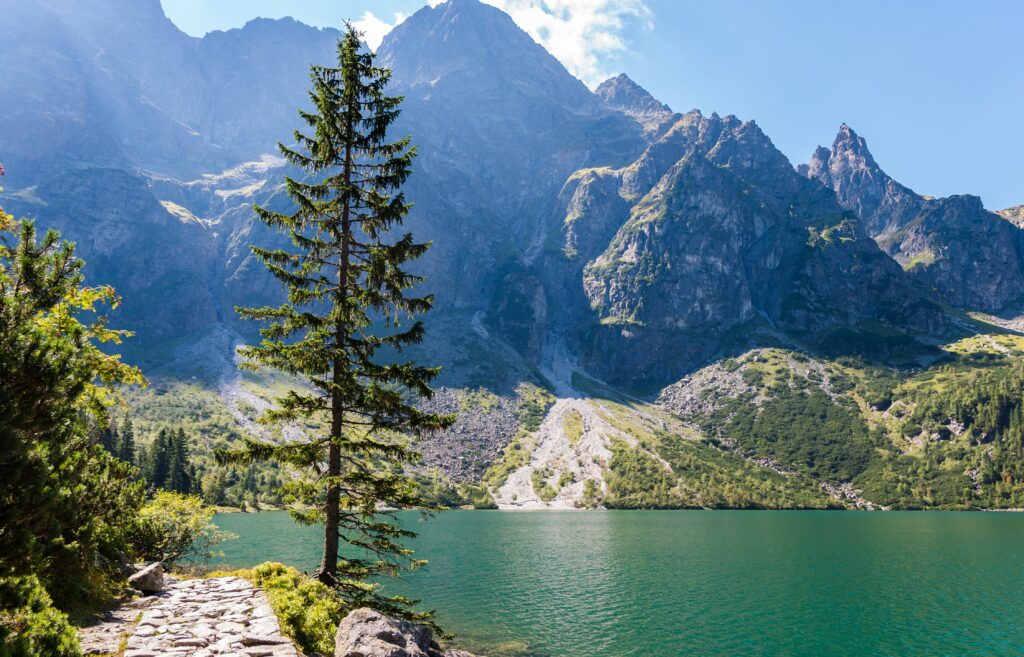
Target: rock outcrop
367,633
1014,215
149,579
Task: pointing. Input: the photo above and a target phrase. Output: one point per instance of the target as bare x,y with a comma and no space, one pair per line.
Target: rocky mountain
116,83
589,250
710,230
622,94
971,257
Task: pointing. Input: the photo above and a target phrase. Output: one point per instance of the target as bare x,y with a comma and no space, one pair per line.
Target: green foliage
515,455
308,610
126,443
984,396
167,465
946,436
700,476
591,494
482,399
572,425
347,268
636,480
534,403
805,429
670,467
30,626
172,527
64,500
539,479
439,491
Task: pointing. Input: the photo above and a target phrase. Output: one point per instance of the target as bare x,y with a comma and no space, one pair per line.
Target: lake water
668,583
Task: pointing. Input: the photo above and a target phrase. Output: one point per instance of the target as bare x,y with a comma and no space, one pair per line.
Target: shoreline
524,509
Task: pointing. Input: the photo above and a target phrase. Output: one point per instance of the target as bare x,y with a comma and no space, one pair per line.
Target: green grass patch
572,425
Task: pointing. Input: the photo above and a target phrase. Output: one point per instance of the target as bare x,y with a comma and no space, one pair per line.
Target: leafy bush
539,479
173,526
308,610
30,626
64,501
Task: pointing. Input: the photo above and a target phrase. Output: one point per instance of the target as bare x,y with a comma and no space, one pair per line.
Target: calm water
661,584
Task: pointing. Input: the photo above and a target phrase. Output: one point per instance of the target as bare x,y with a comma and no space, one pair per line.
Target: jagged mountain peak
477,46
851,149
850,170
622,94
935,240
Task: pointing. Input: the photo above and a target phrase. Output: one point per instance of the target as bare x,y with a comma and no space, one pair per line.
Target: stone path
223,616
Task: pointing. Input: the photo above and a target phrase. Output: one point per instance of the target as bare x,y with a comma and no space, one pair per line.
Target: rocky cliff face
716,231
115,83
969,256
882,204
483,190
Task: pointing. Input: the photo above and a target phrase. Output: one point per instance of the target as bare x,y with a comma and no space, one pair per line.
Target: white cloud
585,35
374,29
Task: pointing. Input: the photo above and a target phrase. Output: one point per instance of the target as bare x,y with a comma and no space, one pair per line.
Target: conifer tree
178,475
109,438
126,444
63,499
348,298
158,466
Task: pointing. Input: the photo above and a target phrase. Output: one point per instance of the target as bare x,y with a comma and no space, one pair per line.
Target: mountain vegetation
72,510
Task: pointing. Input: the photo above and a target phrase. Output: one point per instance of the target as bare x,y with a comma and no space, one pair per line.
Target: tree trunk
328,573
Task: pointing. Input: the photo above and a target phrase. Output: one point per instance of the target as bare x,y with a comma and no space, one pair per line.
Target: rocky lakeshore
229,617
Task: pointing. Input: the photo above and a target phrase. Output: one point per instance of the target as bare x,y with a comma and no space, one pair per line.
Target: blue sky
937,87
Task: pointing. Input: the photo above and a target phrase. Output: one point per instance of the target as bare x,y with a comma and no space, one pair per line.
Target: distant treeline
166,463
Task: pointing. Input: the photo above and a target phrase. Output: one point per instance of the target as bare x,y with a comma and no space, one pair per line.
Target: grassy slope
938,437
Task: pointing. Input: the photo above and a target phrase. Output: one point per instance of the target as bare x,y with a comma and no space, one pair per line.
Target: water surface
668,583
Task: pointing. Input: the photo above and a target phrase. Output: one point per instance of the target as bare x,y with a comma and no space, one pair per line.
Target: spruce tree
348,298
178,474
158,467
126,444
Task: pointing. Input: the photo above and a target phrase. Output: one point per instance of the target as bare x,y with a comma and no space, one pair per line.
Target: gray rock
367,633
623,94
973,258
148,580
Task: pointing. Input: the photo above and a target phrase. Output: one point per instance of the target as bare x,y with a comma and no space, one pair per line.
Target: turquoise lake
673,583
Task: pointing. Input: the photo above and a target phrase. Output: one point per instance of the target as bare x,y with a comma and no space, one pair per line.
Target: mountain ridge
591,250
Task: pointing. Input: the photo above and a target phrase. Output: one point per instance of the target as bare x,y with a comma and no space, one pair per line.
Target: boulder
148,580
368,633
